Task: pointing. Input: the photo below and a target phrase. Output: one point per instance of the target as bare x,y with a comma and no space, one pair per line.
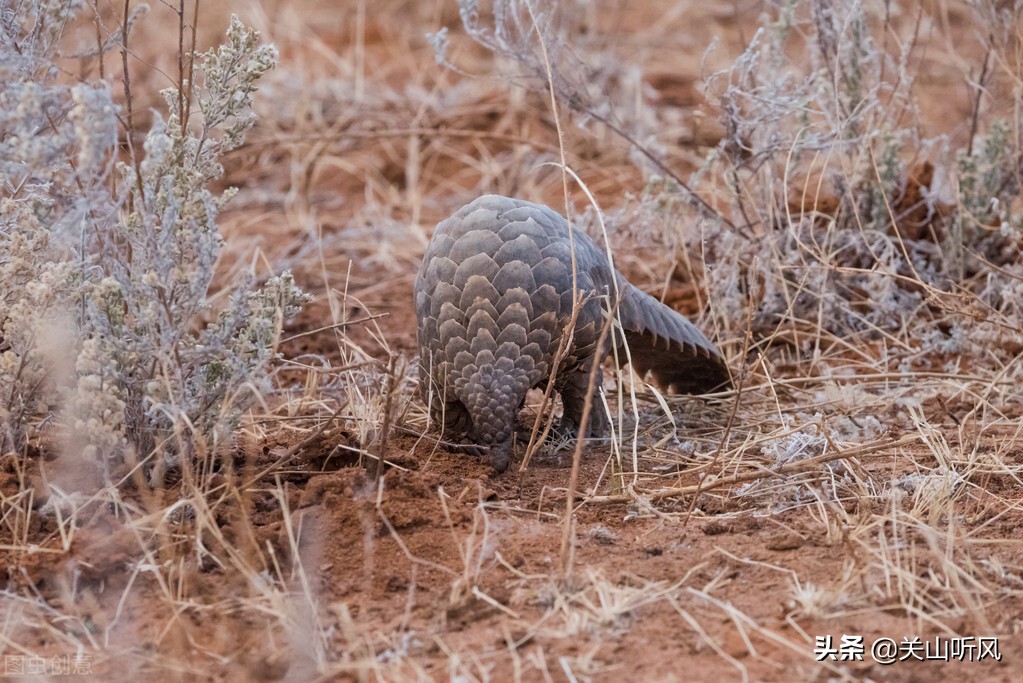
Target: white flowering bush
107,258
856,243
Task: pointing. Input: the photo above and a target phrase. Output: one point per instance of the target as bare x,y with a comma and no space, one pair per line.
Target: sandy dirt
300,562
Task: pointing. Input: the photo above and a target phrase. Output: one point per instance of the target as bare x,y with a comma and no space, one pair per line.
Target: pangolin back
493,298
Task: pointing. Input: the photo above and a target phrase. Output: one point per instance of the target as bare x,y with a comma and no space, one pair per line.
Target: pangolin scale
493,297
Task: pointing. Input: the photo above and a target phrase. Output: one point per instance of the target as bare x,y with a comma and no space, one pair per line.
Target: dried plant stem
568,520
873,448
129,133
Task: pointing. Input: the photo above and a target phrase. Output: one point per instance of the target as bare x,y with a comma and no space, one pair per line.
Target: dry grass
863,477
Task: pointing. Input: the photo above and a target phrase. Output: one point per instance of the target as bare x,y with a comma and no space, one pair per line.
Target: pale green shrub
119,256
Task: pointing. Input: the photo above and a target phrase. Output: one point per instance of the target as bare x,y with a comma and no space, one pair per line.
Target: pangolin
494,296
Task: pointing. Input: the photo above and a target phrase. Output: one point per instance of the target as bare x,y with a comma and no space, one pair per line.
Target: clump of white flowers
123,254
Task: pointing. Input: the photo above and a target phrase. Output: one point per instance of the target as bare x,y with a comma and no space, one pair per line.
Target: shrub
116,251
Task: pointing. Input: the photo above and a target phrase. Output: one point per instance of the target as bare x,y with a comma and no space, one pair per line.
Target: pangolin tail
678,356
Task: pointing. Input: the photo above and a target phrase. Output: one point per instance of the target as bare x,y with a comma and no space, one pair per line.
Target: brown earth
290,560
